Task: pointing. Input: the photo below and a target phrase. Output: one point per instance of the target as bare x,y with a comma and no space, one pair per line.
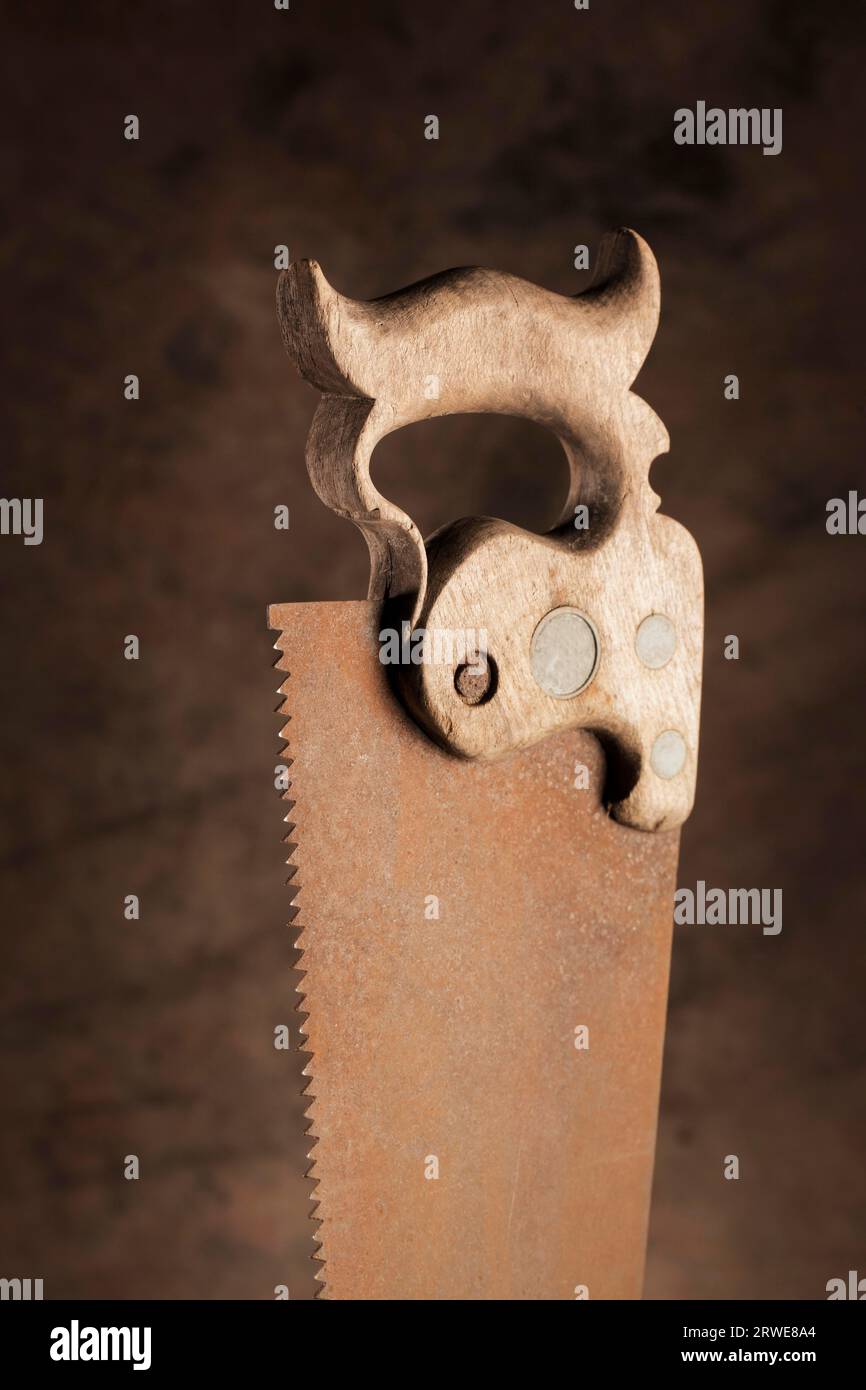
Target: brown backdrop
257,128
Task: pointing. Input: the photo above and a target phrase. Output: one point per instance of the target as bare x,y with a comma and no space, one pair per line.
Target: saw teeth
294,888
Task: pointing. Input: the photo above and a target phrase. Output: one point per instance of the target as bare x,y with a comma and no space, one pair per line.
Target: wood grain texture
477,340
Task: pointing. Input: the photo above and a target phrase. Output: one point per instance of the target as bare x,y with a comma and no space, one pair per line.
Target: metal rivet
668,754
475,684
564,652
656,641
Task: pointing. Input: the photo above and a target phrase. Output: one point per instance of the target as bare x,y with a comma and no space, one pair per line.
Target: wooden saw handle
597,625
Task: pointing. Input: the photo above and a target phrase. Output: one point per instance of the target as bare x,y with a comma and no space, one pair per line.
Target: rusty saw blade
486,955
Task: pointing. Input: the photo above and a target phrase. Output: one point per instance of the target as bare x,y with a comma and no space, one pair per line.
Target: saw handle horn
473,340
470,341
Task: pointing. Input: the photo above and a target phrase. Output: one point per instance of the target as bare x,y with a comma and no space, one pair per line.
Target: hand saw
487,833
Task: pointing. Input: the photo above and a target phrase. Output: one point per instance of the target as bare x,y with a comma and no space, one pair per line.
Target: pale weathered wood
477,340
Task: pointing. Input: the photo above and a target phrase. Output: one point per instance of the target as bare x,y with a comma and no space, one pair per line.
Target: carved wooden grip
628,581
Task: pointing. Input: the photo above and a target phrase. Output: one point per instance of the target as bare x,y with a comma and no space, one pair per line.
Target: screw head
474,686
564,652
668,754
656,641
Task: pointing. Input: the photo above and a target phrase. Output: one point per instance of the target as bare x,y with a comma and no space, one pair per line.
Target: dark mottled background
259,127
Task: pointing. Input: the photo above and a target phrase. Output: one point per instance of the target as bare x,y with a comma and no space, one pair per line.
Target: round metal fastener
668,754
475,683
564,652
656,641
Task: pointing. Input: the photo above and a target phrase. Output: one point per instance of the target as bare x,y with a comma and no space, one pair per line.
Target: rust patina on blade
453,1037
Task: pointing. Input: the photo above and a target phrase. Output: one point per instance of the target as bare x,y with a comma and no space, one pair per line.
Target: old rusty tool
487,839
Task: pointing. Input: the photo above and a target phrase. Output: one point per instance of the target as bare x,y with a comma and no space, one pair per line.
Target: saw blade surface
463,922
